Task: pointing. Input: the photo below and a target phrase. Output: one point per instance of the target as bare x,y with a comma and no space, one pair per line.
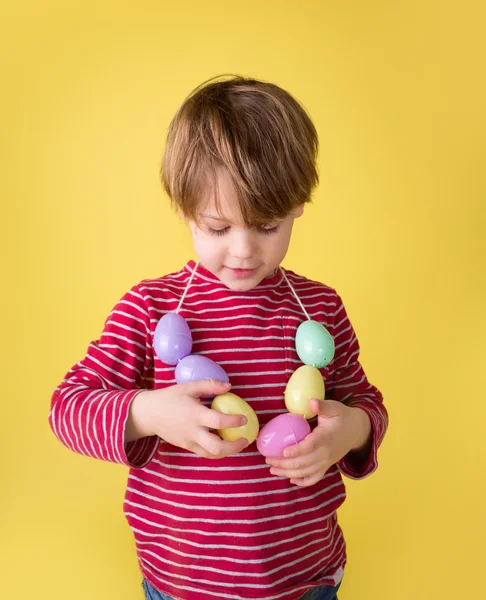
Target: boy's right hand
177,416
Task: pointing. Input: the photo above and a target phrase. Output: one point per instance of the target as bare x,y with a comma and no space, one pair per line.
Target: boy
211,518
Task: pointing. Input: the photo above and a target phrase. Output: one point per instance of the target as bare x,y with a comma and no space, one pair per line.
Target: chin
240,286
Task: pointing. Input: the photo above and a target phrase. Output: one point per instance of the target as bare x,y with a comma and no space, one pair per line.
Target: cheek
208,246
278,245
199,243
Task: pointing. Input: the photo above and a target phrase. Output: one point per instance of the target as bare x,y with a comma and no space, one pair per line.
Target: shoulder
321,300
305,284
166,285
324,298
158,293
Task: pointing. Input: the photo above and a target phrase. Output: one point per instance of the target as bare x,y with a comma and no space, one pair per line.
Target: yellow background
397,92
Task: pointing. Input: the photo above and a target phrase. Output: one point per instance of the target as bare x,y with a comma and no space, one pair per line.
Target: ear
299,211
181,215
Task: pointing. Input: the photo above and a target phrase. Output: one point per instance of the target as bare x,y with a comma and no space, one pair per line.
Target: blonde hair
254,130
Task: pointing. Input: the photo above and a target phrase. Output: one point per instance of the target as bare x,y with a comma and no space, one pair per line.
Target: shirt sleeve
90,408
351,386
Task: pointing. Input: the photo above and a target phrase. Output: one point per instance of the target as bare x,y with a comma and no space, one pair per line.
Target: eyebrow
224,220
215,218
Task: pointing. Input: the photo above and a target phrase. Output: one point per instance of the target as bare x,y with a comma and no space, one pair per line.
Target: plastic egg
282,431
314,344
196,367
231,404
172,339
305,383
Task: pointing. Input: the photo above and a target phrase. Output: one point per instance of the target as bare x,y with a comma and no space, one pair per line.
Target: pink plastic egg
196,368
282,431
172,339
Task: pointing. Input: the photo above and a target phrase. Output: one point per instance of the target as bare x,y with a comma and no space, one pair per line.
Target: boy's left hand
339,430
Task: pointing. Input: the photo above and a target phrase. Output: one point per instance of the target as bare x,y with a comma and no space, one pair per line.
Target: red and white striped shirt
210,529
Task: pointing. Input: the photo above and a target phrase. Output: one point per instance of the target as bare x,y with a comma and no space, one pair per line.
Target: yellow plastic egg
305,383
231,404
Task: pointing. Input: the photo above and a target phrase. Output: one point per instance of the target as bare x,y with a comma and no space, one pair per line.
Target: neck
271,274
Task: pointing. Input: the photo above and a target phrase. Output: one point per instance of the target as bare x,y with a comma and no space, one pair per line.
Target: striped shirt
210,529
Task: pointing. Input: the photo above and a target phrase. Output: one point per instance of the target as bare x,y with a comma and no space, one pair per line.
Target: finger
325,408
205,387
200,451
306,448
217,420
217,447
299,462
308,445
317,406
308,471
308,481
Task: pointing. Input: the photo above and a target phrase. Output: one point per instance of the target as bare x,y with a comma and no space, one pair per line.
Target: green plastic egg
314,344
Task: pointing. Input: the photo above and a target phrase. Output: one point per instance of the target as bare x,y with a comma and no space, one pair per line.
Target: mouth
241,273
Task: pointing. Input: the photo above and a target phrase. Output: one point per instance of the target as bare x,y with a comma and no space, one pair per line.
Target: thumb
323,408
205,387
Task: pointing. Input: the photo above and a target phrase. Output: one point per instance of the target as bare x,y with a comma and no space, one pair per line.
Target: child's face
239,256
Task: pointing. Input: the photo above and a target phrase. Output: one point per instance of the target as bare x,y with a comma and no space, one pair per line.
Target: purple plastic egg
282,431
197,368
172,339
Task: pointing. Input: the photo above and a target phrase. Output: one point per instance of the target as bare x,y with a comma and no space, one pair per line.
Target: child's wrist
139,417
363,429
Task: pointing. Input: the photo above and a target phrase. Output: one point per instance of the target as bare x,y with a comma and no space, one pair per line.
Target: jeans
323,592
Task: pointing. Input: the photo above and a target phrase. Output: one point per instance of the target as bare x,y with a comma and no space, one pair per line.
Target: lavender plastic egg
172,339
282,431
196,368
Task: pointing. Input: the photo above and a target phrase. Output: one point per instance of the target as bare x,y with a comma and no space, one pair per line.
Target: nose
241,245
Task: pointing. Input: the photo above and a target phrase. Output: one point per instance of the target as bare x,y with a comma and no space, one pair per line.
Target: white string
187,288
295,294
283,273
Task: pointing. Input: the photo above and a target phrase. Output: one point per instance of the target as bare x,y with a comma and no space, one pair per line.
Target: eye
224,231
268,230
218,231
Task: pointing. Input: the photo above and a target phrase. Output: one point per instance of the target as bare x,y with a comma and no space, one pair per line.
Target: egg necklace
315,348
